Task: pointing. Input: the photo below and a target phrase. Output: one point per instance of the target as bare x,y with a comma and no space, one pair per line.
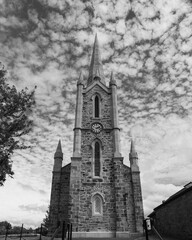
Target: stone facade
109,201
174,216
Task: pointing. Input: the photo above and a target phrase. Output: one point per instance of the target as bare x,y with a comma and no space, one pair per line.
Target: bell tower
102,196
97,181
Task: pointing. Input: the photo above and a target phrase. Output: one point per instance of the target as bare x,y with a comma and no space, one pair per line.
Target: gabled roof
106,89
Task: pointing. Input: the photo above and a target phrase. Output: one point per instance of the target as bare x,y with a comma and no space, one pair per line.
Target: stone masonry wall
175,218
128,200
64,195
87,116
137,198
119,187
74,199
54,204
104,184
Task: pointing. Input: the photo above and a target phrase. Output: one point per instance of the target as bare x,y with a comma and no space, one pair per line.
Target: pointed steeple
133,158
58,158
132,151
96,68
58,153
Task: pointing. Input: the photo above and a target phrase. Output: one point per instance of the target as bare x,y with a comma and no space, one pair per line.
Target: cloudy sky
147,44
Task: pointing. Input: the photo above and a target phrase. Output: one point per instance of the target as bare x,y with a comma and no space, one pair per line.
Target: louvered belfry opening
97,159
96,106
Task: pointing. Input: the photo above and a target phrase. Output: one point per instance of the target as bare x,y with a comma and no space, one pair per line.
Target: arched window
96,106
97,205
97,159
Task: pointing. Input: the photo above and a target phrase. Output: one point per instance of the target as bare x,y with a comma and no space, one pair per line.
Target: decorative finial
112,80
133,152
81,80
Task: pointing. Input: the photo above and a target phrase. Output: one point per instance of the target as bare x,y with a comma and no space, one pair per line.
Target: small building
174,216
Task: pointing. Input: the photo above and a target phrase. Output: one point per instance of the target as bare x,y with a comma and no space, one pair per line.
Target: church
96,192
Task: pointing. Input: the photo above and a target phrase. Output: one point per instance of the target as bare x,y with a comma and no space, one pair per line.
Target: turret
133,158
55,189
58,158
136,188
112,80
78,118
116,129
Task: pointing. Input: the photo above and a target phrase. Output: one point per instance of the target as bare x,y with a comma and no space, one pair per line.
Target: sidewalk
152,237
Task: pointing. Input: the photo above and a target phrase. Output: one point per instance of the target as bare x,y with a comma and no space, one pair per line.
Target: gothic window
96,106
97,205
97,159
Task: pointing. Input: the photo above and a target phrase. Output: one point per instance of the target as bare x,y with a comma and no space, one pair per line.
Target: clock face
96,127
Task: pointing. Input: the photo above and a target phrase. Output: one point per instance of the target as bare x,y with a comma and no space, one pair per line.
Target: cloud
26,187
148,47
34,208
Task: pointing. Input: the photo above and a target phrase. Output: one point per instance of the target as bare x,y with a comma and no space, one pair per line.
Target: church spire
96,68
59,153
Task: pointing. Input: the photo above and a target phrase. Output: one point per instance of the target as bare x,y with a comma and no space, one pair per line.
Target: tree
5,226
15,108
47,218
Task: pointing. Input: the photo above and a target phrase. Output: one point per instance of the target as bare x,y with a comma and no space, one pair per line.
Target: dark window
96,106
97,159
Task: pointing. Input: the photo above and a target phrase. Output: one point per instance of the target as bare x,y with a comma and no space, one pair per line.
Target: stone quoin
96,192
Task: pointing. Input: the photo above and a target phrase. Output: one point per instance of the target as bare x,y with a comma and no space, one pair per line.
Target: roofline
66,165
175,196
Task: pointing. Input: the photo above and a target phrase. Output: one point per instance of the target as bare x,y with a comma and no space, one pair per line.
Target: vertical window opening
97,159
96,106
98,205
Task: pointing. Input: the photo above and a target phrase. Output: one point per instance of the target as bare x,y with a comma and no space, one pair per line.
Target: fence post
6,234
41,231
68,231
63,231
71,232
21,232
146,230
